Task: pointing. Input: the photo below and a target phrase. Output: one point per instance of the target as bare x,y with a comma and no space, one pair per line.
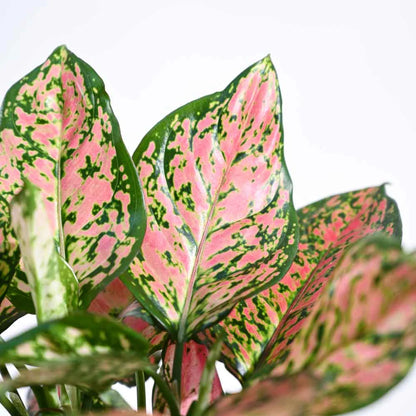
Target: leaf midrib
201,245
59,185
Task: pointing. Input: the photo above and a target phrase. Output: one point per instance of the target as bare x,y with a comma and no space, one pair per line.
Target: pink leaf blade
58,131
221,222
116,300
356,343
193,363
327,228
370,296
284,397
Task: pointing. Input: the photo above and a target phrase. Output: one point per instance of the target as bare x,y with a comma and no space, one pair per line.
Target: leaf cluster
187,253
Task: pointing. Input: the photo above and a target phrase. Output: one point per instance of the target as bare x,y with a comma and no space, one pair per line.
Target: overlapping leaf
356,342
18,301
8,314
81,349
291,396
193,364
9,252
221,224
57,130
117,301
327,228
53,284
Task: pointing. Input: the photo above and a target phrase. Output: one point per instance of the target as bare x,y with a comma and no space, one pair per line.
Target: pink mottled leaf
117,301
9,252
193,364
327,228
57,129
357,340
291,396
221,224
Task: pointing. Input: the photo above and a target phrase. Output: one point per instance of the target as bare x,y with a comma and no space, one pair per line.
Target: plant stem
177,364
199,407
166,392
141,390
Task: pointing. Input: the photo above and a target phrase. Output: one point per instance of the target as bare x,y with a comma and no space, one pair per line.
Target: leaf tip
62,51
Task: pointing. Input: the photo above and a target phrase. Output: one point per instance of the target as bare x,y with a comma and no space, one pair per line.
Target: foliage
188,253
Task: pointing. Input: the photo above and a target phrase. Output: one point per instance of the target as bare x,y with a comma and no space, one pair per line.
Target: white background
347,72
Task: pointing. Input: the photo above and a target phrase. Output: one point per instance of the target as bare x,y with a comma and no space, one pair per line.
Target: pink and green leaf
289,396
117,301
9,251
80,349
357,341
221,224
193,364
327,228
58,130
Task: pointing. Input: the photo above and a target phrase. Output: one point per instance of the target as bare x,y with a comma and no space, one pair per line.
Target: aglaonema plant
188,253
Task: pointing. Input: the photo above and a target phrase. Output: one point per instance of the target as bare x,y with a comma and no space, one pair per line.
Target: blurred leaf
327,228
81,349
357,340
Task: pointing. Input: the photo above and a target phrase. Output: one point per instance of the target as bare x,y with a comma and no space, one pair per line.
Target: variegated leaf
327,228
221,224
80,349
9,252
54,286
112,300
356,342
57,129
290,396
18,301
8,314
193,363
117,301
105,401
96,372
